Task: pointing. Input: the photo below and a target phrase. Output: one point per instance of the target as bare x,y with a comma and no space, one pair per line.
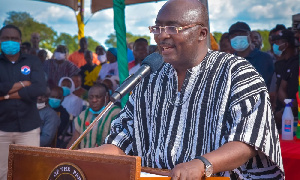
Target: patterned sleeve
72,69
252,119
122,129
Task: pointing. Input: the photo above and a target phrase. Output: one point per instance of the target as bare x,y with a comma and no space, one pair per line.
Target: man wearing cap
287,69
240,39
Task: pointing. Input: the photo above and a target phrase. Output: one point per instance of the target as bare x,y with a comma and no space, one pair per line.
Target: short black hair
141,40
100,47
26,44
10,26
101,85
278,28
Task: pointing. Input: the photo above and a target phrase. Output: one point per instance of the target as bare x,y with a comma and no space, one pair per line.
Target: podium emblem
66,171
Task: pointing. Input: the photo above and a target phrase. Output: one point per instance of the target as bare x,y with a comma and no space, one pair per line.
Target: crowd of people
49,98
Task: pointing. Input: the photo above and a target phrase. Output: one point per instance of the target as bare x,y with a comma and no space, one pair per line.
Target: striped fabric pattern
222,99
97,135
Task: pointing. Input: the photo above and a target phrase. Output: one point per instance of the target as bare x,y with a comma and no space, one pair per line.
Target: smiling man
22,80
203,112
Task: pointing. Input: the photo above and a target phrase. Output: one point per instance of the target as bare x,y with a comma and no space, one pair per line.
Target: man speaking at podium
203,112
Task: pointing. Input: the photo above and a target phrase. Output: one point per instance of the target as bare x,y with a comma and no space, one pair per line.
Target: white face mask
59,56
102,58
40,105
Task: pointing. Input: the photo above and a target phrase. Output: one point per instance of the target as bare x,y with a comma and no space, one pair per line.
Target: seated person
71,102
79,91
55,99
50,120
98,98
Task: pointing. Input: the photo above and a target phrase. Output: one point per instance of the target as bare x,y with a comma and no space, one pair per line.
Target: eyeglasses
170,29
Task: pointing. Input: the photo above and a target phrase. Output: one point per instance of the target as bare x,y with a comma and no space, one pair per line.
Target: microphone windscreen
153,60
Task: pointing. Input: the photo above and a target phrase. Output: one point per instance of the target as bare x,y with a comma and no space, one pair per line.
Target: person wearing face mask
50,120
89,72
21,82
59,66
55,99
240,39
287,70
71,102
100,51
110,68
98,97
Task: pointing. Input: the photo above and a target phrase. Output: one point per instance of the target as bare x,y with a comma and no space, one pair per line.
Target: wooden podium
40,163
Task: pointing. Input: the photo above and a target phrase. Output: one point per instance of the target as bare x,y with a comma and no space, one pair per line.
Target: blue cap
113,51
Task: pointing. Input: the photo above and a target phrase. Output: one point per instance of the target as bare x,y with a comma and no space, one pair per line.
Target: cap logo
25,70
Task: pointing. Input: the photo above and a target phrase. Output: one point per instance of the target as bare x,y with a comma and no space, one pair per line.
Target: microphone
150,64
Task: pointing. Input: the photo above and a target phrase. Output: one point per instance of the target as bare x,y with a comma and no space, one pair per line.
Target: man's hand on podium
189,170
105,149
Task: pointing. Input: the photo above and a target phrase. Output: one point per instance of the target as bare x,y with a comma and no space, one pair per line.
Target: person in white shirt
140,52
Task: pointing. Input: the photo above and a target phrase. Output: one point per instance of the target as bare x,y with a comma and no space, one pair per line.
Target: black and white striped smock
222,99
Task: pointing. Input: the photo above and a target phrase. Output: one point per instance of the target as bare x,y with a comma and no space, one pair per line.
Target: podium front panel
39,162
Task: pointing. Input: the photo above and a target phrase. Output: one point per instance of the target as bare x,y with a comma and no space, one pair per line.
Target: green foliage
112,39
217,36
48,37
28,25
92,44
265,39
67,40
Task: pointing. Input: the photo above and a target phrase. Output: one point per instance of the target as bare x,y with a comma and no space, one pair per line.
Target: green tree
67,40
92,44
265,39
217,36
112,39
28,25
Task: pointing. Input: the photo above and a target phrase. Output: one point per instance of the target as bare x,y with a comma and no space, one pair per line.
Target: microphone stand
90,127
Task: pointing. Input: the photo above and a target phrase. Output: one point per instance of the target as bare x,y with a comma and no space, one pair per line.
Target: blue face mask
96,112
54,103
276,49
239,43
10,47
66,90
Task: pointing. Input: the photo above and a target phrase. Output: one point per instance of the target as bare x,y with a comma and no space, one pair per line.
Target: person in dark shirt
55,99
89,72
21,82
50,120
287,69
240,39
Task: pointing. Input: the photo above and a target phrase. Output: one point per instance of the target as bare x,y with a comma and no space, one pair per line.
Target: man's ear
203,33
